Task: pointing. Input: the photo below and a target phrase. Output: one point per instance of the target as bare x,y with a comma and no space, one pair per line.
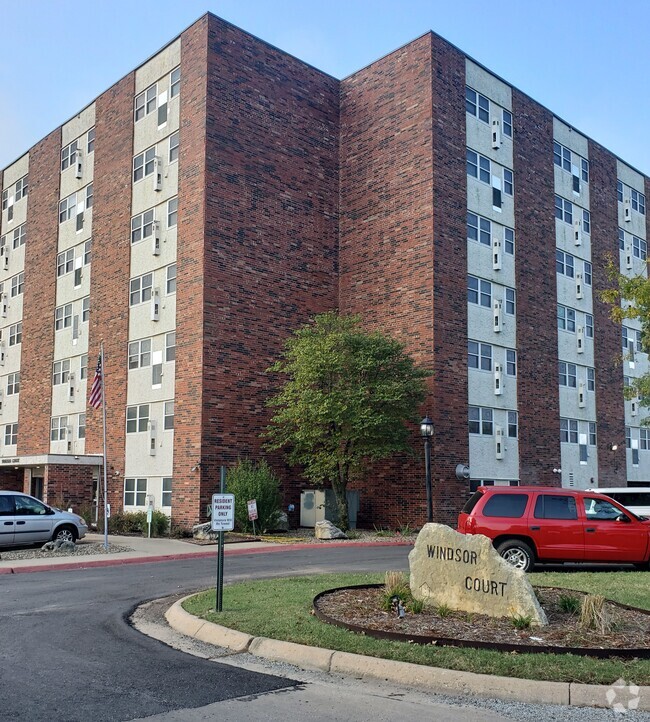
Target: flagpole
101,353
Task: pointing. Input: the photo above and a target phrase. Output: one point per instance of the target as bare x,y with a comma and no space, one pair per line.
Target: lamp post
426,430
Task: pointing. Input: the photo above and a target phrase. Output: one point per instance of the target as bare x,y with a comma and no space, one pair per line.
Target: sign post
252,512
223,519
150,504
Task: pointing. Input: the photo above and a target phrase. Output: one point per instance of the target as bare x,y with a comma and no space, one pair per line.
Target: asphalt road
67,652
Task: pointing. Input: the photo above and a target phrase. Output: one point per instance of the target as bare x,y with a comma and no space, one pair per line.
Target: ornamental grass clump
594,614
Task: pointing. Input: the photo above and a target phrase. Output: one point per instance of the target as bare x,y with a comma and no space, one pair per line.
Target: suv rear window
472,502
555,507
511,506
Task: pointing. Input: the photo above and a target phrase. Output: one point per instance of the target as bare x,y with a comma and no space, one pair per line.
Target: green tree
629,298
346,400
249,481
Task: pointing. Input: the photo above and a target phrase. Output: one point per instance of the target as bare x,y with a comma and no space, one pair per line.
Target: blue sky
585,60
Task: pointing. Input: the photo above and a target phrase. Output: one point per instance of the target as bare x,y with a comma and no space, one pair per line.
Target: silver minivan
26,520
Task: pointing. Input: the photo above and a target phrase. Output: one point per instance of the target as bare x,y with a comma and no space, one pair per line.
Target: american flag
95,399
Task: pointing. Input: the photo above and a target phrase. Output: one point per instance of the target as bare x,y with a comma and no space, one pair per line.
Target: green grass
280,609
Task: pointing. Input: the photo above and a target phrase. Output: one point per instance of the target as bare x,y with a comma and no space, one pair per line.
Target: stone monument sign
465,572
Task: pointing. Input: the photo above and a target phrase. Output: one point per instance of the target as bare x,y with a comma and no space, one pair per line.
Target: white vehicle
634,498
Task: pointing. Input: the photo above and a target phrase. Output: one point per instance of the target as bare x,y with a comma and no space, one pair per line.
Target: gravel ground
79,551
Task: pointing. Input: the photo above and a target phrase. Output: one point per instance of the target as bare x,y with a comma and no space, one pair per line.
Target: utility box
318,505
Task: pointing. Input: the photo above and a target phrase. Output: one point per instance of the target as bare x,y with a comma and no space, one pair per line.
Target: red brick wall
270,238
39,297
403,200
610,409
109,310
537,381
69,485
12,480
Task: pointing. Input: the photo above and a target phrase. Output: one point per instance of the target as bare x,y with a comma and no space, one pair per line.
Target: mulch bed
362,607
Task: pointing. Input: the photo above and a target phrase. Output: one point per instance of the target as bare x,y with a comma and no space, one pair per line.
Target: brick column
537,379
610,408
39,299
109,293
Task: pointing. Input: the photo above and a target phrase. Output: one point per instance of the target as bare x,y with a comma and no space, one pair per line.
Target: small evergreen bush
246,481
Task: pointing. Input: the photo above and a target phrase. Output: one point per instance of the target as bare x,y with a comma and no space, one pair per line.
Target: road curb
94,563
432,679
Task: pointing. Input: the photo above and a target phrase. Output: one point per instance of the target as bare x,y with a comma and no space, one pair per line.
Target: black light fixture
426,430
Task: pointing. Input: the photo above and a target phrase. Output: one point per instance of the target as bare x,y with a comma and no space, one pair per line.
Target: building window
170,346
89,196
480,420
20,236
83,367
67,208
140,289
628,438
479,229
172,212
478,166
169,416
507,123
81,426
90,147
510,301
145,102
479,291
143,164
511,362
137,418
140,353
16,334
87,247
167,491
592,433
21,188
171,279
174,82
85,309
13,383
17,283
638,201
619,191
173,147
564,263
135,492
63,317
591,379
509,241
479,356
568,431
512,425
621,239
584,170
60,372
566,319
156,375
11,434
589,325
586,221
563,210
142,226
567,373
59,428
631,336
5,199
639,248
65,262
587,273
508,182
644,439
68,155
477,105
561,156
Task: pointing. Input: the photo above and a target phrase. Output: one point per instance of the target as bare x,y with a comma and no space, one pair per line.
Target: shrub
395,585
569,603
249,481
135,522
520,621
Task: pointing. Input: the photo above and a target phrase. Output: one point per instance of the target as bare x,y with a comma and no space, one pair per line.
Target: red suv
534,524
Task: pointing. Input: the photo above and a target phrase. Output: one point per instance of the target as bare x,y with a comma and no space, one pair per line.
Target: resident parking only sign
223,512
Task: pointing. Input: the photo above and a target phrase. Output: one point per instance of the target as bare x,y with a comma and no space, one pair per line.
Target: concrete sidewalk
143,550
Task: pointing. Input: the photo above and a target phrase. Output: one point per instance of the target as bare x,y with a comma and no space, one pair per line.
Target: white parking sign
223,512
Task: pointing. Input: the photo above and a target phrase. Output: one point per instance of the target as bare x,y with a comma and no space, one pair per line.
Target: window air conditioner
78,164
498,383
496,254
577,232
498,322
152,438
581,395
627,210
157,173
578,285
155,239
580,339
496,134
155,305
498,442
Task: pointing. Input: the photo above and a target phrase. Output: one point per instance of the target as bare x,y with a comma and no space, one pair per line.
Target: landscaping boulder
327,530
204,532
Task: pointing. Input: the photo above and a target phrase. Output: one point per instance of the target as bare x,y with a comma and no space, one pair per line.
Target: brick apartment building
211,201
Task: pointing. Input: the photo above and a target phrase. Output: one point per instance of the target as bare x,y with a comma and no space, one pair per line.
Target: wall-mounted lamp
613,447
557,471
196,466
